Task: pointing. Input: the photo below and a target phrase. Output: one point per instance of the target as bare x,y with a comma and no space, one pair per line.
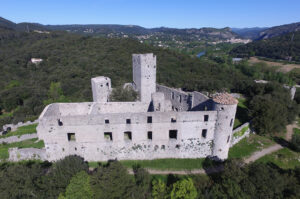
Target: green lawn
249,145
162,164
21,131
296,131
284,158
24,144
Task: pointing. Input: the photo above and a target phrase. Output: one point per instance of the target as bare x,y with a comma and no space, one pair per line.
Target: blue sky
155,13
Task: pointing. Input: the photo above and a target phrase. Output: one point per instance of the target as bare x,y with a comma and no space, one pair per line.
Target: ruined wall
92,144
240,133
181,101
201,102
16,154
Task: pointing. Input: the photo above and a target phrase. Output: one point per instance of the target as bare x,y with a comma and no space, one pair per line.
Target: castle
164,123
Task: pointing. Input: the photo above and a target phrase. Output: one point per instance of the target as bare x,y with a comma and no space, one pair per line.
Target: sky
155,13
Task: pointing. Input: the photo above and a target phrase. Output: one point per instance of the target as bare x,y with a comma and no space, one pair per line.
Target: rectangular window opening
106,121
204,133
173,134
173,120
231,122
108,136
149,135
205,118
127,135
149,119
128,121
71,137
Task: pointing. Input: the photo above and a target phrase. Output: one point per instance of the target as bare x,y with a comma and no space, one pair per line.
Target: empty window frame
231,122
149,119
180,98
71,137
204,133
149,135
172,95
108,136
106,121
59,122
127,135
173,120
128,121
173,134
206,118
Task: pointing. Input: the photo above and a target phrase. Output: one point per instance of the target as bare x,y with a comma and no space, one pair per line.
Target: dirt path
289,131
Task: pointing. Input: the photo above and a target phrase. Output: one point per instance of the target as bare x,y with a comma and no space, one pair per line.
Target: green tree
296,142
55,94
183,189
120,94
143,182
113,181
159,189
79,187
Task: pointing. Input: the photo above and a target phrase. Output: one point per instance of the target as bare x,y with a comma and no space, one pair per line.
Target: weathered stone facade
165,123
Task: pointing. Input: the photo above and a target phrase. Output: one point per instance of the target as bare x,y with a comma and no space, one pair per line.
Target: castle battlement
165,123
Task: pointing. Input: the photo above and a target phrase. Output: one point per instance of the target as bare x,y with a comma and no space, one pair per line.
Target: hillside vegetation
285,47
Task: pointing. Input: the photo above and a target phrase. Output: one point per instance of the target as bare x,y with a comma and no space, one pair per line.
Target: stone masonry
165,123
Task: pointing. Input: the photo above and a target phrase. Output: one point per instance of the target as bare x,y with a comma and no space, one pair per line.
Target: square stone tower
101,87
144,75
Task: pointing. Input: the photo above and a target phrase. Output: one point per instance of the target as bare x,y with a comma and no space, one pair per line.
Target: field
282,67
32,143
248,146
284,158
162,164
21,131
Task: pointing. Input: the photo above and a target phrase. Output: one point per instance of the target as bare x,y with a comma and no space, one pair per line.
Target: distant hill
249,33
22,27
284,47
279,30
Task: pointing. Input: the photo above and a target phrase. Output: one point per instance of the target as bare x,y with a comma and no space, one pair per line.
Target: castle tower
101,87
144,75
225,105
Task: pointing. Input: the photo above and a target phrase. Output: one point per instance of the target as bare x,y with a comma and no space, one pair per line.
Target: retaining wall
236,139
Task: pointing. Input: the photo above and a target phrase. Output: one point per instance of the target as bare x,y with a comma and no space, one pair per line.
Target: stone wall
16,154
240,133
91,135
181,101
14,127
12,139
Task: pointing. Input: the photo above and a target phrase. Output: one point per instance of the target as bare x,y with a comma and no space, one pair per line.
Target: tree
113,181
61,173
143,182
296,142
79,187
183,189
158,189
120,94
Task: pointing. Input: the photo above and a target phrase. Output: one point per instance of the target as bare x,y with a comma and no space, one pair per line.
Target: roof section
224,98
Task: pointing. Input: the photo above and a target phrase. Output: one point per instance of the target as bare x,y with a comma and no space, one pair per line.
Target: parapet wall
240,133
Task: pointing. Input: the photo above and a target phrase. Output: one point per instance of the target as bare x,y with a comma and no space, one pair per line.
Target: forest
281,47
70,178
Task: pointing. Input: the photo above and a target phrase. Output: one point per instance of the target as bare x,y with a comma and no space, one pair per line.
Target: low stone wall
12,139
240,133
14,127
16,154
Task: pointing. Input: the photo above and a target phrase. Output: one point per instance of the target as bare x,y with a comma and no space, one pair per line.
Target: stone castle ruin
164,123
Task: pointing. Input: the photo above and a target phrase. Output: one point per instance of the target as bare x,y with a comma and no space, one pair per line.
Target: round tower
225,105
101,87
